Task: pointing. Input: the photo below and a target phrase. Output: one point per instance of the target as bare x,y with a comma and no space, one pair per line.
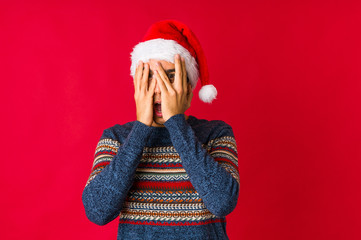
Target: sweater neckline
160,129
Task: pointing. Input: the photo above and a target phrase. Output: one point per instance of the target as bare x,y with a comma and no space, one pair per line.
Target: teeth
158,107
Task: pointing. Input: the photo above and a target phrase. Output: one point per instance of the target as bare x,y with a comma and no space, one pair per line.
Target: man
166,175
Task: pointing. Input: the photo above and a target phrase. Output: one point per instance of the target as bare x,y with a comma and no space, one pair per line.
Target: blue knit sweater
172,182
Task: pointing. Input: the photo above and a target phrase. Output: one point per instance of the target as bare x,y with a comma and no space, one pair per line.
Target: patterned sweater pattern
172,182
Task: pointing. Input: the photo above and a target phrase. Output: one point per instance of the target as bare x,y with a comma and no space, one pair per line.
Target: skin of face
169,68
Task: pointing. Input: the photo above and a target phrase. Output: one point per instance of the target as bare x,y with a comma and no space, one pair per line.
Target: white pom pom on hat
208,93
167,38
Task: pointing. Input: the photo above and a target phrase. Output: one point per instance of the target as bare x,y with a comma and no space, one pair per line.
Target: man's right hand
143,94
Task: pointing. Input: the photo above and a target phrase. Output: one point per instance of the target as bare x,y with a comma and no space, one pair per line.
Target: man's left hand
176,97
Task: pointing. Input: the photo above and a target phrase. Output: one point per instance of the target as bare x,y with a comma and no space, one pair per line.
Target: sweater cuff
178,127
139,135
177,121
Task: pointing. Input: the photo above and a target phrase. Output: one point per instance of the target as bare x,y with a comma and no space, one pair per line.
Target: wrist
168,116
175,118
145,122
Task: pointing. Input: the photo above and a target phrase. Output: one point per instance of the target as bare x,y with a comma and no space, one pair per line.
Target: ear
189,95
189,88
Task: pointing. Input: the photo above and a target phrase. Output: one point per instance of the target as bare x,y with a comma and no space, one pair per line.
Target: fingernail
177,56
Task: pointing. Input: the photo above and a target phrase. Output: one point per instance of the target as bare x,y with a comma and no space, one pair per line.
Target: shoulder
118,132
210,129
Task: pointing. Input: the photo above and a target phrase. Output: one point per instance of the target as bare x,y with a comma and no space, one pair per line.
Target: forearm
218,189
104,196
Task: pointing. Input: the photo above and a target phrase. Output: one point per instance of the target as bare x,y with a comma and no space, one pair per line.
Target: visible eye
150,78
171,78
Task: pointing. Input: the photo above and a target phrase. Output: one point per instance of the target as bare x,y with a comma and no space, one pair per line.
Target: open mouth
158,109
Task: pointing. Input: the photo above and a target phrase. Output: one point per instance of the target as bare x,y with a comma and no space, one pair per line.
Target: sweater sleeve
112,173
213,174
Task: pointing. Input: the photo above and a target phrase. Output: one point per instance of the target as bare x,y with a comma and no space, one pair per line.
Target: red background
288,76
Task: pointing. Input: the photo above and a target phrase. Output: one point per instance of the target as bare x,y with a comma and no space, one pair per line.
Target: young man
166,175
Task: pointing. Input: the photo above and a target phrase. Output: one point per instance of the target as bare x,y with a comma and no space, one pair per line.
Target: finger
178,72
152,87
162,86
138,74
137,69
184,75
144,82
161,74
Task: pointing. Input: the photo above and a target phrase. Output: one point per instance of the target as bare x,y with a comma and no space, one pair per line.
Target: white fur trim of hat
164,49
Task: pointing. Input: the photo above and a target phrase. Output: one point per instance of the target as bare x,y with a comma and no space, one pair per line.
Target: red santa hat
167,38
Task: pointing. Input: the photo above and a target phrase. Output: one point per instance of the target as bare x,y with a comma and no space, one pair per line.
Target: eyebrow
166,71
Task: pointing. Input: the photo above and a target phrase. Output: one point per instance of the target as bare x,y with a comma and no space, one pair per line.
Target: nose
157,89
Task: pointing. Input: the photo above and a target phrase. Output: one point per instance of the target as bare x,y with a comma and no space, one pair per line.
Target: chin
158,120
